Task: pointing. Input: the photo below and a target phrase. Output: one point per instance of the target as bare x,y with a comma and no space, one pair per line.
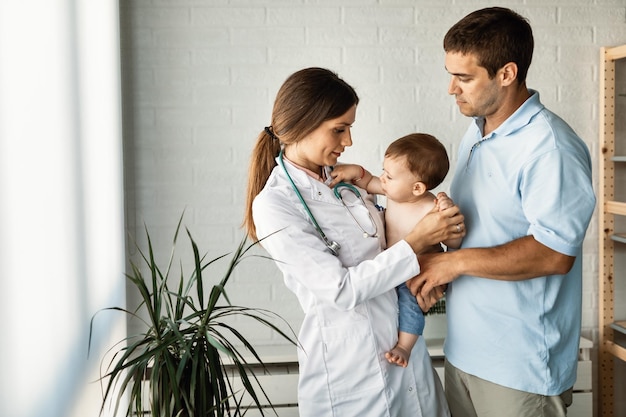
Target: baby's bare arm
346,173
357,175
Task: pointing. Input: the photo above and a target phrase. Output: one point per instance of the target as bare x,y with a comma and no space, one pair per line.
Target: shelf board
620,326
619,237
618,158
615,349
616,52
616,207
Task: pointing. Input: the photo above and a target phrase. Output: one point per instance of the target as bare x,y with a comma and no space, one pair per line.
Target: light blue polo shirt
531,176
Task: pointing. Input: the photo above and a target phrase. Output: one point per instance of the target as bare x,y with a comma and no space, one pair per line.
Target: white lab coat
349,302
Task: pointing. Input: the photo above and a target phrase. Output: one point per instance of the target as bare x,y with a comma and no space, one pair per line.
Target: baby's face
397,181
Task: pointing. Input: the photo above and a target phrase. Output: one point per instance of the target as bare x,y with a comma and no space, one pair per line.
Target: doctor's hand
437,226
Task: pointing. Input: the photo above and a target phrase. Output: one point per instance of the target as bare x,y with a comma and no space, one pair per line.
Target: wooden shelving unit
612,156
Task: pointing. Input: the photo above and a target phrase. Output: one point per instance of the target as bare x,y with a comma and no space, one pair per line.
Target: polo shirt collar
517,120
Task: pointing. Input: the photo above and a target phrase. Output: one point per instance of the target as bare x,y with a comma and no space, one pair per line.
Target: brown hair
306,99
426,157
496,36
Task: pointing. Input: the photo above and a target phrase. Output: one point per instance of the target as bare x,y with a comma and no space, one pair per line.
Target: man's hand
436,271
429,300
520,259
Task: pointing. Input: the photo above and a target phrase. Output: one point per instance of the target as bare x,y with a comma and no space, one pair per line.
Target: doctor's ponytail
262,162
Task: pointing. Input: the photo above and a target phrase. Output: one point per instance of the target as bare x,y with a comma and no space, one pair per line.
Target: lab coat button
410,389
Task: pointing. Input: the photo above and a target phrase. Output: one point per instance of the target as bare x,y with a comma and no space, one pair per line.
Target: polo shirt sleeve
558,198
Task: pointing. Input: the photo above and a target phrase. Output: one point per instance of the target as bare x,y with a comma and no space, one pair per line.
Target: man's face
476,94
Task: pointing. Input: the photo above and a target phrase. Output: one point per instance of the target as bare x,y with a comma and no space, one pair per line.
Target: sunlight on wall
61,242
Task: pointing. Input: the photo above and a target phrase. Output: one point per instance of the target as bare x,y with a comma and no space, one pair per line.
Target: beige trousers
470,396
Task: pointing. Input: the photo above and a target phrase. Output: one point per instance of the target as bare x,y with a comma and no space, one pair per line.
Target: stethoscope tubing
337,191
333,246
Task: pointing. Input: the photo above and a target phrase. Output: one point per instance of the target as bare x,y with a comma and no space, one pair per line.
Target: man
523,182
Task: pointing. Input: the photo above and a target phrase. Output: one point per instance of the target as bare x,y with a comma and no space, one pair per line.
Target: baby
413,165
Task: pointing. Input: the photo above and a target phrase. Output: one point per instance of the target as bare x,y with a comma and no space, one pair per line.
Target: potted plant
180,354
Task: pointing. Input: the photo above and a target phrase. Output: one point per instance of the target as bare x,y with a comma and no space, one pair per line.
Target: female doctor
330,246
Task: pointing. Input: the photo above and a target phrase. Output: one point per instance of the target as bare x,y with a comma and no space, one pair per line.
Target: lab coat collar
309,182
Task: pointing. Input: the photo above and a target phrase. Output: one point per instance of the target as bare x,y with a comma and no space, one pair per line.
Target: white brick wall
200,78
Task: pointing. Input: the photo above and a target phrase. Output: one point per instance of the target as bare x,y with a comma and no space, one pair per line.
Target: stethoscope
332,245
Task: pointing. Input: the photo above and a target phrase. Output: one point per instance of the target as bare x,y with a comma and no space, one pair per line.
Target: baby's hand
345,173
443,201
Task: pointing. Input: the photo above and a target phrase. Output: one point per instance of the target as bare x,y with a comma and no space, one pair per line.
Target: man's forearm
517,260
